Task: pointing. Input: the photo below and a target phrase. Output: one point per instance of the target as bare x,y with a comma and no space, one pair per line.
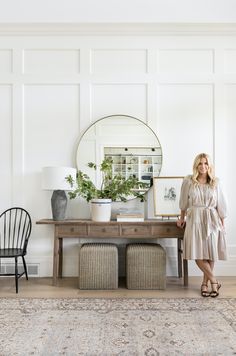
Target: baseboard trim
70,265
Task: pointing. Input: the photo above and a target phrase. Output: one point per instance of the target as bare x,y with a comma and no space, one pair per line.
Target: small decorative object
166,192
113,187
130,217
54,178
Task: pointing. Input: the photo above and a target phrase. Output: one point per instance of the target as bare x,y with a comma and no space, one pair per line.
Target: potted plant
112,188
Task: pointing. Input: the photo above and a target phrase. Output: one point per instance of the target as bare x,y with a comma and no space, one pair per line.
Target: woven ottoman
98,266
145,266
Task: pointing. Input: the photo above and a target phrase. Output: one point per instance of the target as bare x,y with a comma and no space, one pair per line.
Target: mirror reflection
133,147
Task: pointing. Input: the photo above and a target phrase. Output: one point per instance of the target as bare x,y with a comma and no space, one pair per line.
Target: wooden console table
153,229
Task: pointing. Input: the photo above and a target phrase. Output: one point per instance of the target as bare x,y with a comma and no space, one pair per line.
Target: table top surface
170,222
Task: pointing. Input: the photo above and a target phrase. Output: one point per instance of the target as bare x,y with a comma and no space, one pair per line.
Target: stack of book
129,217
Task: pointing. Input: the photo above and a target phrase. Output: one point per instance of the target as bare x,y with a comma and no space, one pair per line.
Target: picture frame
166,194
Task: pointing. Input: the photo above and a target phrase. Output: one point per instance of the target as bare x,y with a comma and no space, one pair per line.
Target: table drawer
72,230
167,231
103,231
136,230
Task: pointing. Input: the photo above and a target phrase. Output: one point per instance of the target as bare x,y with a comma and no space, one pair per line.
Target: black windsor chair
15,230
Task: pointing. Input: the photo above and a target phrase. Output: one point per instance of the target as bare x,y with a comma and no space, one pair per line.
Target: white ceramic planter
101,209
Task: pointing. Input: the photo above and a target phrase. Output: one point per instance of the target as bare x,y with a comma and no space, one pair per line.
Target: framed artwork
166,192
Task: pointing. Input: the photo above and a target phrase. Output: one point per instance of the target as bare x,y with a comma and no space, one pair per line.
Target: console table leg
185,263
55,257
60,257
179,253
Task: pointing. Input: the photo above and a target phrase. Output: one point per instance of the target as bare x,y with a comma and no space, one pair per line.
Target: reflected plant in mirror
113,186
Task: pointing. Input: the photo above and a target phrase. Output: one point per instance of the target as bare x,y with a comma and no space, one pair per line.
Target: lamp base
59,204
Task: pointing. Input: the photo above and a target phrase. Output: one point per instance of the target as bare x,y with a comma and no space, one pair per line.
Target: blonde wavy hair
211,179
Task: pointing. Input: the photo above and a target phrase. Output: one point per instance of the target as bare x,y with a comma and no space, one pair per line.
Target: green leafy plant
114,187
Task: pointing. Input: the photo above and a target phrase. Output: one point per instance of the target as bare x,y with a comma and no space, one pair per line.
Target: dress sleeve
184,194
221,202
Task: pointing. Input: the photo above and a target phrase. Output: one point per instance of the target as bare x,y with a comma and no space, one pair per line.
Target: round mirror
133,147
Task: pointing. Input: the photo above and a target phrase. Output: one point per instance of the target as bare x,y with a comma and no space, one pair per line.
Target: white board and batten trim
57,79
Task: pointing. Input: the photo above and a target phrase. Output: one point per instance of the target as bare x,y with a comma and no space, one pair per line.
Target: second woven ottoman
98,266
145,266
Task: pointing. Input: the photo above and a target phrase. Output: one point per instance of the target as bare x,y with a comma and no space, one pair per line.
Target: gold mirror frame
130,142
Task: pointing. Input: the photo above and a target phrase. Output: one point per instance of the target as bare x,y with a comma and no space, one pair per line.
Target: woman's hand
181,222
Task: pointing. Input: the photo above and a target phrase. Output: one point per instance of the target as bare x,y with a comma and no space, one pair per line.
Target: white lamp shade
54,178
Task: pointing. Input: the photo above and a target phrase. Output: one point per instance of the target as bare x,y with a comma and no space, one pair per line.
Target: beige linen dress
204,236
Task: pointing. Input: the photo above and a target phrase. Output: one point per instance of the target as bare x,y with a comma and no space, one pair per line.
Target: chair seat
11,252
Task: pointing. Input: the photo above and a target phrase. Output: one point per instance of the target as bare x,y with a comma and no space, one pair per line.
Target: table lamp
54,178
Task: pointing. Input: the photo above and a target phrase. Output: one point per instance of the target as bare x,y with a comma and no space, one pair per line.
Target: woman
203,205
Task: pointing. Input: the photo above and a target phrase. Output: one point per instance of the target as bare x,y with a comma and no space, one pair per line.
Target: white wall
53,86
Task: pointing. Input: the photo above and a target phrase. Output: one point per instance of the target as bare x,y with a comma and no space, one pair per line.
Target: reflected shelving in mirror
143,163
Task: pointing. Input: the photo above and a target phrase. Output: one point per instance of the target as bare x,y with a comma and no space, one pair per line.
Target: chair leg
25,268
16,273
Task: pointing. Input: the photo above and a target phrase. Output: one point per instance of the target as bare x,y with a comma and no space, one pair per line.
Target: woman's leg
207,268
211,263
204,286
205,278
215,286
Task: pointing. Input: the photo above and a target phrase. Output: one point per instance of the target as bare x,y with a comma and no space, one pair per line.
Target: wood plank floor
68,288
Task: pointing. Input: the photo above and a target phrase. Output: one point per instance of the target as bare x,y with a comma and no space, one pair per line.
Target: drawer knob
103,230
72,229
168,229
135,230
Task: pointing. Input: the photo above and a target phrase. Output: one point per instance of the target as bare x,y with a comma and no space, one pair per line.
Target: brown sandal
215,293
204,293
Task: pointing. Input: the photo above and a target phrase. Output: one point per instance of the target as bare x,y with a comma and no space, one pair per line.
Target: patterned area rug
109,327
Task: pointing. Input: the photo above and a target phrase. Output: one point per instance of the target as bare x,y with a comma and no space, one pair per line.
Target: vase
59,204
101,209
